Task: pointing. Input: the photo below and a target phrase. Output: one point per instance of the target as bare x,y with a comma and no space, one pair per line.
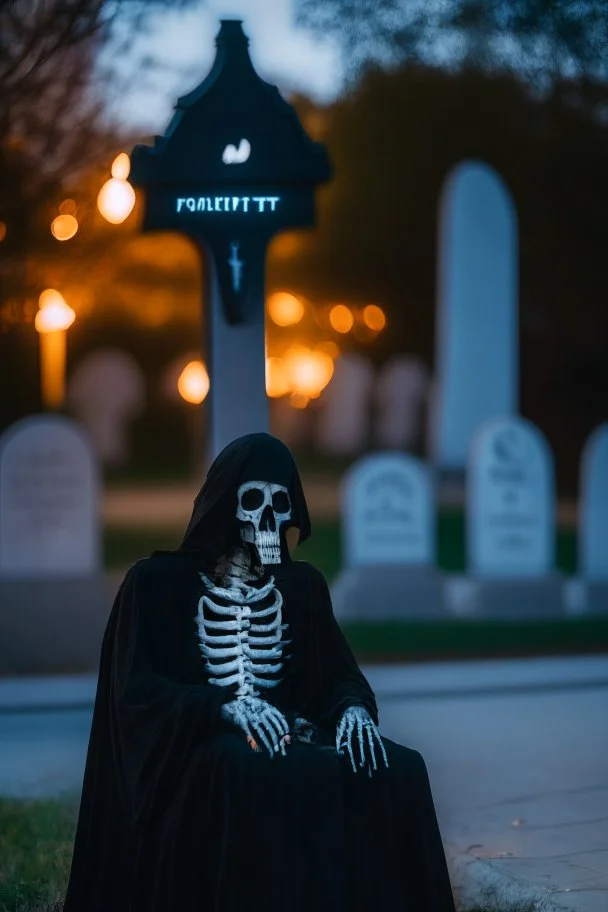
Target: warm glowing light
115,200
330,348
193,384
64,227
308,372
298,400
373,317
341,318
285,309
68,207
277,383
286,245
121,166
54,313
2,231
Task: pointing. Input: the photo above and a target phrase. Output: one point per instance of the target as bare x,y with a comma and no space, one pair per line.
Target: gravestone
477,312
388,542
591,586
53,600
106,391
234,168
510,517
343,423
400,394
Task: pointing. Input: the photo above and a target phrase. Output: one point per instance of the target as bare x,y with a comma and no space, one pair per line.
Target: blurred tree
541,40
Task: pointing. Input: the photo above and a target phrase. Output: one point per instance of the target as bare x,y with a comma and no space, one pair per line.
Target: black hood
213,527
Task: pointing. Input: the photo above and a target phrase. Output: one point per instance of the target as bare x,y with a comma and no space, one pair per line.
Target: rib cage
236,647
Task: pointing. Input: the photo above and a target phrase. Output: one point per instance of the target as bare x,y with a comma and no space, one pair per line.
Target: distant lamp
64,227
341,318
285,309
116,198
52,320
308,372
374,318
193,383
277,383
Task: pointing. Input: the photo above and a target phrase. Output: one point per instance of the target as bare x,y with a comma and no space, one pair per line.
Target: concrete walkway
517,752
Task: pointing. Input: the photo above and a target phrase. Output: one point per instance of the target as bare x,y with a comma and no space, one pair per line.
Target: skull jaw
267,544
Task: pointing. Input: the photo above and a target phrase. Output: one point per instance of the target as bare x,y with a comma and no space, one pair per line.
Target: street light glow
115,200
193,384
54,314
374,318
285,309
340,318
308,372
64,227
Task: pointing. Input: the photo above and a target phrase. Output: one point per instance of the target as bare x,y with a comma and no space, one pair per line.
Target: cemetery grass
36,839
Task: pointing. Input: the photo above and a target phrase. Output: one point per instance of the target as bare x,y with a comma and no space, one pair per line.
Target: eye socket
281,502
252,499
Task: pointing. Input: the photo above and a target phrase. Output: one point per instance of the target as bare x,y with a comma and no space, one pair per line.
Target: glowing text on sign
227,203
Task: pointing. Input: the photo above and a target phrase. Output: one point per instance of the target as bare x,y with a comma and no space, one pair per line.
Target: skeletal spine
237,648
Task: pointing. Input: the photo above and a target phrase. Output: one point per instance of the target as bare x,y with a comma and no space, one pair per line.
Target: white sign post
388,538
53,603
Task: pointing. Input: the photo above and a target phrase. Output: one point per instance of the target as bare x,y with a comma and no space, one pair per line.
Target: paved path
517,752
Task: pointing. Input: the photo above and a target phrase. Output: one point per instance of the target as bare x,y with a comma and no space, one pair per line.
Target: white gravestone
511,520
590,590
52,594
477,311
401,394
106,392
345,407
388,541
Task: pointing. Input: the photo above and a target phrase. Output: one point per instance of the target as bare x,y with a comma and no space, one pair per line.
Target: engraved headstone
388,541
106,391
592,583
511,520
345,408
477,311
52,594
401,393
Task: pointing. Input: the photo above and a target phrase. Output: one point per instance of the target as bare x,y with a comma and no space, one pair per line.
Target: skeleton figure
241,652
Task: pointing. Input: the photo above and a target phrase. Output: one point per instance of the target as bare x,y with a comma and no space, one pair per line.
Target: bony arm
357,719
260,722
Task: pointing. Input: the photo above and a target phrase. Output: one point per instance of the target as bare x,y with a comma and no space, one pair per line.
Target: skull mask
262,508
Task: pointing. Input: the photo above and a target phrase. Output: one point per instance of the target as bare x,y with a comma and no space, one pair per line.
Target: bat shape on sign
233,156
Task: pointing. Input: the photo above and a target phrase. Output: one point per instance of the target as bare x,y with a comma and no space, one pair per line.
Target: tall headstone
511,532
477,311
388,541
53,601
343,423
106,391
234,168
401,395
593,524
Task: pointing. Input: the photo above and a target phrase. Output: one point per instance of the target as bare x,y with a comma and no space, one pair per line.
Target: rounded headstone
593,522
49,493
510,502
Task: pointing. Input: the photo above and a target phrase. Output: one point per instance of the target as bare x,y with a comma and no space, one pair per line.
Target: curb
479,885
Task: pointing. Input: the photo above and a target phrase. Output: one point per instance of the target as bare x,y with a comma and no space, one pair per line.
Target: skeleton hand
367,734
253,715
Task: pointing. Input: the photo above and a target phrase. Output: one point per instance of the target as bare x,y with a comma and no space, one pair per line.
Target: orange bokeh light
374,318
285,309
308,372
64,227
54,314
340,318
277,383
2,230
193,383
68,207
115,200
121,166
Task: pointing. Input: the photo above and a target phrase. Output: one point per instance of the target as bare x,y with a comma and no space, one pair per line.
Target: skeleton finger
339,734
258,729
370,740
382,748
350,727
360,739
250,739
275,731
280,720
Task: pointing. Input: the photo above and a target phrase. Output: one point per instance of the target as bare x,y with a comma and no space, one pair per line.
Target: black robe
179,814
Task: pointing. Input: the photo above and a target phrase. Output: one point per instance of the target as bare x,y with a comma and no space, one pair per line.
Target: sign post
234,168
